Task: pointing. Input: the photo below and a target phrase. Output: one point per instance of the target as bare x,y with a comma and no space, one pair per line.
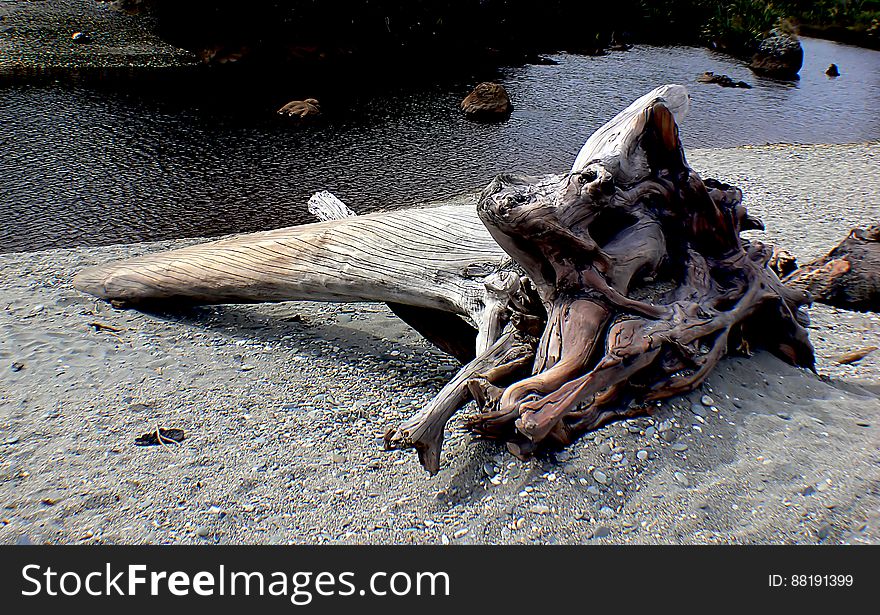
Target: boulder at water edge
779,55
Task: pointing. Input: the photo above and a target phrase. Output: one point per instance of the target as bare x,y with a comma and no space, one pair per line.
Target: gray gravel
284,405
37,37
809,196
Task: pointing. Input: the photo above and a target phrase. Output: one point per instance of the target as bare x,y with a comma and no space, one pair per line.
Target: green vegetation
858,14
411,31
737,25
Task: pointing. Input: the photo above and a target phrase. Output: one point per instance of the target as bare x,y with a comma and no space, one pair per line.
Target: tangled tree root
630,282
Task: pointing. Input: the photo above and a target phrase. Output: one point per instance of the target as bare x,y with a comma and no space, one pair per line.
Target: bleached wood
616,144
420,257
326,206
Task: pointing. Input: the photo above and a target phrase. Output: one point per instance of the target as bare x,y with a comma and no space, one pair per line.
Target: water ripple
88,166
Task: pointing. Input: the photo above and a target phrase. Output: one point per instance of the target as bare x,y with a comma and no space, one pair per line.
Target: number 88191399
821,580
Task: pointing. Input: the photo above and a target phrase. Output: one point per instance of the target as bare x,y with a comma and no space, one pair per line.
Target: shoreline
762,177
168,62
36,45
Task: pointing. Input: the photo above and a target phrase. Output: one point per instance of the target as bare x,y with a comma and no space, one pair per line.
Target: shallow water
88,165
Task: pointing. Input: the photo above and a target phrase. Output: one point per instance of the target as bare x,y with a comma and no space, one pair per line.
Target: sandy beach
284,405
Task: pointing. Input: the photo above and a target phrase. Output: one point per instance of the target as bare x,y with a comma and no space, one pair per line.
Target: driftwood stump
584,295
848,276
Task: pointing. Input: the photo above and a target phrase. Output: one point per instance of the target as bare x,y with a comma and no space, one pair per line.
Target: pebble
681,479
539,509
679,446
824,531
11,440
337,458
593,490
600,477
707,401
601,532
461,533
17,366
650,431
699,410
606,511
604,448
642,455
616,457
202,532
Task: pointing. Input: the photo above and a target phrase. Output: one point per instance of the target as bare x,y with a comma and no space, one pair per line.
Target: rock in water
301,109
832,71
847,277
779,55
722,80
488,100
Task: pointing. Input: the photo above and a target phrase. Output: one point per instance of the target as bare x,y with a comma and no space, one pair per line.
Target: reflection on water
90,166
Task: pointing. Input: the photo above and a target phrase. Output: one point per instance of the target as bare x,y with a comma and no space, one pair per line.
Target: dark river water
93,165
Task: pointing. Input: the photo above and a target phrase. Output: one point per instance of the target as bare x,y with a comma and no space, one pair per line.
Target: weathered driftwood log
848,276
432,264
588,294
444,329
